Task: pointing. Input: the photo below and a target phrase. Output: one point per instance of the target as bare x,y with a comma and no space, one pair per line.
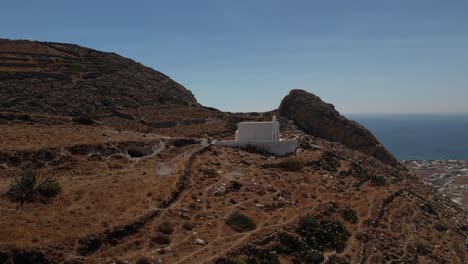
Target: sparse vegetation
143,260
187,226
378,180
290,244
182,142
165,227
358,170
83,120
77,67
262,256
257,150
210,173
323,235
361,173
28,187
329,161
161,239
24,117
240,222
349,215
291,164
229,260
308,257
49,187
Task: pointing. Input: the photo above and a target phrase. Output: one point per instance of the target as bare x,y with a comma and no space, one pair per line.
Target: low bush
323,235
309,257
378,180
161,239
349,215
187,226
291,164
165,227
23,187
83,120
211,173
28,187
77,67
182,142
329,161
358,170
24,118
240,222
361,173
290,244
49,187
257,150
262,256
143,260
229,260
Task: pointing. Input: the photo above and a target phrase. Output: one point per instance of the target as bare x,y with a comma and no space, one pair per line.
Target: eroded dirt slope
114,203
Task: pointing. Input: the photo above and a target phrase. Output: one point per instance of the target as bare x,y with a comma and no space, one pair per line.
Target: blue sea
438,136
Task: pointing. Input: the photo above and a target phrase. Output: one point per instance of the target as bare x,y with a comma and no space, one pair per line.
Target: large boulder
320,119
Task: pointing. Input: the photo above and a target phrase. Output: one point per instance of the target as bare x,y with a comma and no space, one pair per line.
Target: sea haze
428,136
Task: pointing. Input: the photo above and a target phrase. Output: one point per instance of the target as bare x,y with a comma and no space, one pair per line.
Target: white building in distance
264,135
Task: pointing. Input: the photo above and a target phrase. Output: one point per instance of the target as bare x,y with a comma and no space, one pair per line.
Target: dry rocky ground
140,182
112,203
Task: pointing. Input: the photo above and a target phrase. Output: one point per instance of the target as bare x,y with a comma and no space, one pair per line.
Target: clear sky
245,55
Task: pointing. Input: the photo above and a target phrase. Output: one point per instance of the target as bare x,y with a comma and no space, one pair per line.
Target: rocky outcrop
68,79
320,119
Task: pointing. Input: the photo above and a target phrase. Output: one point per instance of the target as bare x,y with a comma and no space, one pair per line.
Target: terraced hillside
71,80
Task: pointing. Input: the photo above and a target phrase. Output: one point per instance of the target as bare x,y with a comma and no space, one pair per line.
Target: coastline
449,177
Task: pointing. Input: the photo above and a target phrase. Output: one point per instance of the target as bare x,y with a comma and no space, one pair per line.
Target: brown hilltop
320,119
68,79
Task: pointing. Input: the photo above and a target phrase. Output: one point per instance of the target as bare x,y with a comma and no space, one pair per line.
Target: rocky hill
320,119
68,79
140,183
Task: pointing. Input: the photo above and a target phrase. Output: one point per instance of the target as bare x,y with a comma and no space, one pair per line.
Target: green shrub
182,142
77,67
262,256
83,120
329,161
240,222
143,260
291,164
309,257
323,235
364,175
27,187
349,215
23,187
257,150
290,244
229,260
49,187
161,239
358,170
165,227
211,173
187,226
378,180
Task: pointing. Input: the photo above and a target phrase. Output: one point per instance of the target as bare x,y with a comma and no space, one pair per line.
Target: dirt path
94,244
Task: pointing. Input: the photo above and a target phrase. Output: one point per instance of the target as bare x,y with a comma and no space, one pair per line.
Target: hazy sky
362,56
